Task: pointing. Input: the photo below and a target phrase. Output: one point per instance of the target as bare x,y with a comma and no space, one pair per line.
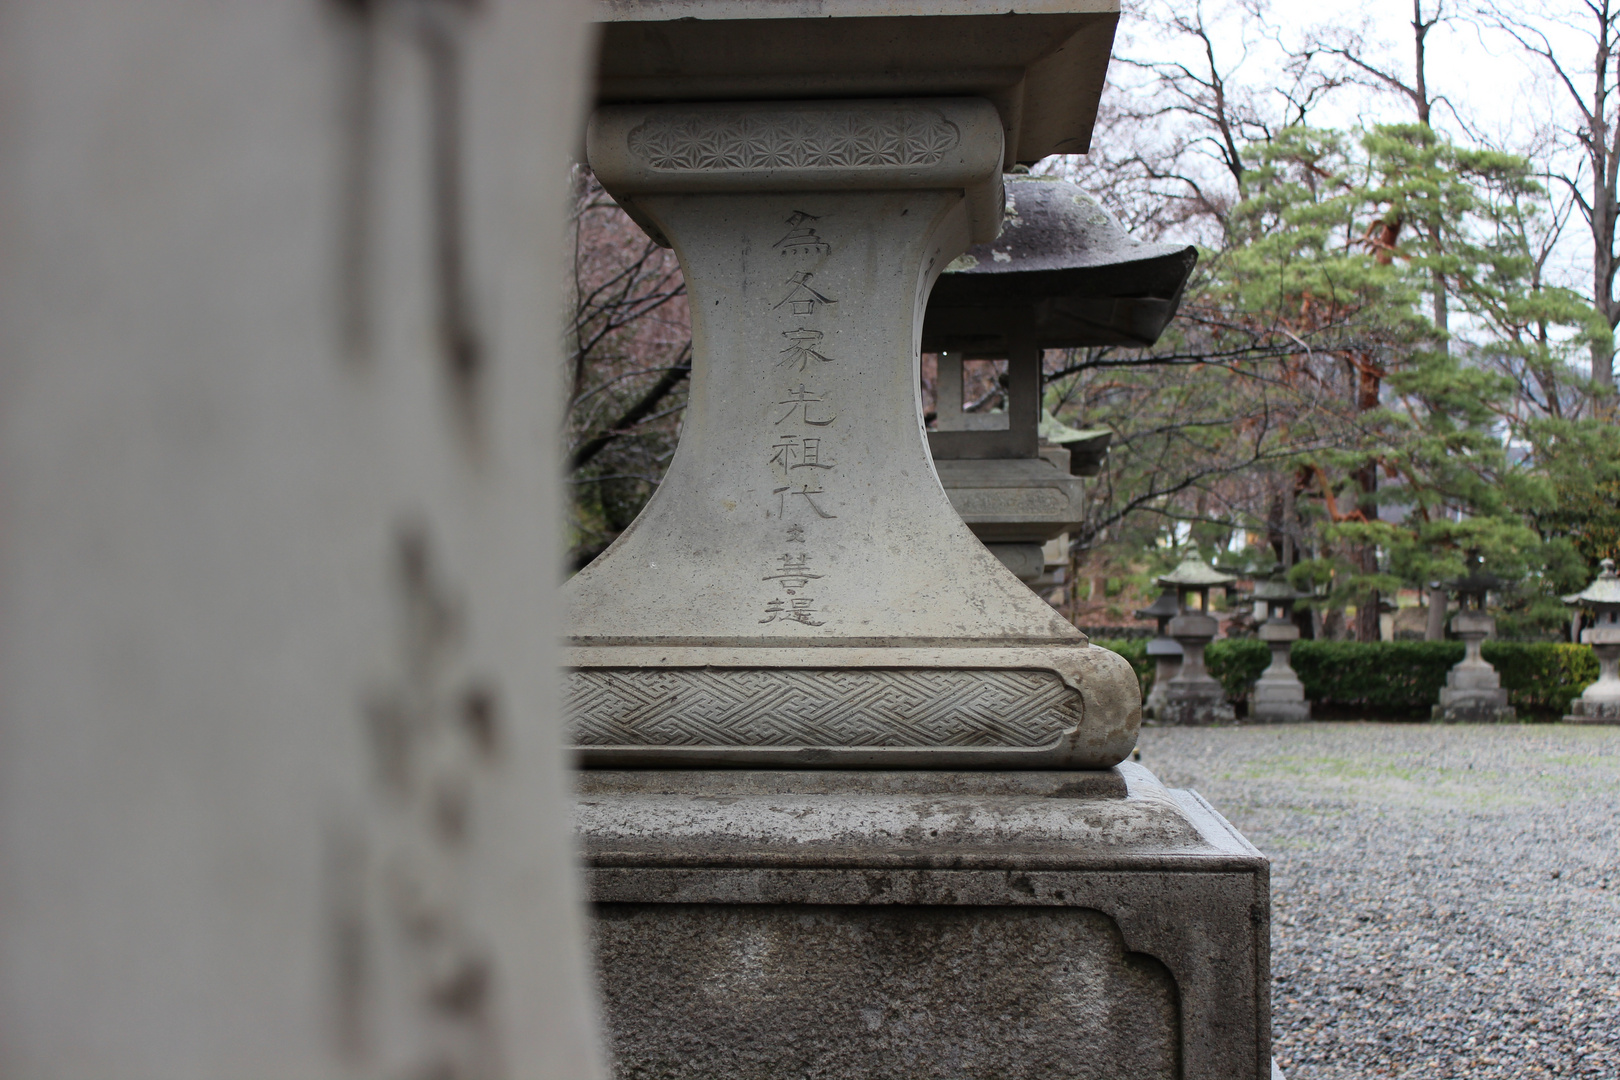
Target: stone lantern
1061,274
1193,696
1473,692
1162,649
1600,702
1278,696
817,721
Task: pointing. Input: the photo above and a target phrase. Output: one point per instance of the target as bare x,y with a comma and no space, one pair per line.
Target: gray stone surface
280,788
1446,897
778,990
923,924
1041,63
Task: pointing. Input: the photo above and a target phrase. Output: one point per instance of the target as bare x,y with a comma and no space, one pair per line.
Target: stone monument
1062,273
1278,696
1193,696
854,802
1473,692
1164,650
282,789
1600,702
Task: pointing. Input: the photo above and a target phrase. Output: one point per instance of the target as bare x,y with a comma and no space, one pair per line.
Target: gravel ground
1445,900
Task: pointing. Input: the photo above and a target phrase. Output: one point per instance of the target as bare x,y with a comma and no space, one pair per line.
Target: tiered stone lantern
1600,702
1473,692
1061,274
1162,649
1278,696
849,784
1194,696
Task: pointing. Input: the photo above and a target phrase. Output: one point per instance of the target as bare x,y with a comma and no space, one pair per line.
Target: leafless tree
1589,77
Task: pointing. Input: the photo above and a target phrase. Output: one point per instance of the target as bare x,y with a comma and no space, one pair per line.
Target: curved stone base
1473,712
1582,711
1279,712
1196,705
1063,706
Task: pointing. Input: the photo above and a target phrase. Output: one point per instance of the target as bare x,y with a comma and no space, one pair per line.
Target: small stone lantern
1061,274
1600,703
1278,696
1473,692
1166,654
1193,696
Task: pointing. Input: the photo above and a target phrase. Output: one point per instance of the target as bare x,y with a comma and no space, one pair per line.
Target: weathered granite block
924,924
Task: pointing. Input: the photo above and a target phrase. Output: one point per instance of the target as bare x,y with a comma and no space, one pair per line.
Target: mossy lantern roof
1604,592
1195,574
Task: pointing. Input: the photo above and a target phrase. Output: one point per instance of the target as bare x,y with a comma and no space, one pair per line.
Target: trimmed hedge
1395,678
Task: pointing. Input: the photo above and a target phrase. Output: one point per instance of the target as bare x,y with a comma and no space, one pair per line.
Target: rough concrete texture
844,991
1446,898
888,897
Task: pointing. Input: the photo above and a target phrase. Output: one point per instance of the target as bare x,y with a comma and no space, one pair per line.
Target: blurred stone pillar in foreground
281,790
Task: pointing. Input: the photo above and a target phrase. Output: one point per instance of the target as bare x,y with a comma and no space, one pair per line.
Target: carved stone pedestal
1193,696
1473,692
969,926
799,590
1278,696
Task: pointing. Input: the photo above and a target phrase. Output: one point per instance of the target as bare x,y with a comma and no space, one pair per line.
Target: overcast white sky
1504,95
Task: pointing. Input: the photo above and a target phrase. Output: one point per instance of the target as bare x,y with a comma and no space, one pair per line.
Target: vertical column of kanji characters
802,420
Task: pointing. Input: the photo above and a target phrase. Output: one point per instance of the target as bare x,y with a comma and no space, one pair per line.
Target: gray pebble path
1445,899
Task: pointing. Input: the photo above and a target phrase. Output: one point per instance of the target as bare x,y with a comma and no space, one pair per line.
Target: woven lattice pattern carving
818,707
812,139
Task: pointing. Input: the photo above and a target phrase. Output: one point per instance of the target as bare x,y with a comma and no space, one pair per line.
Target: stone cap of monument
1195,574
1056,432
1604,590
1040,62
828,145
1063,273
1277,590
1087,447
1165,607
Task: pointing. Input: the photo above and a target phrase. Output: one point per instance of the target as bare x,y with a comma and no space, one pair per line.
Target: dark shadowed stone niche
794,990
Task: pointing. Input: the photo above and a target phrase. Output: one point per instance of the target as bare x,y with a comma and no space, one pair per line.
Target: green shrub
1237,662
1394,678
1542,678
